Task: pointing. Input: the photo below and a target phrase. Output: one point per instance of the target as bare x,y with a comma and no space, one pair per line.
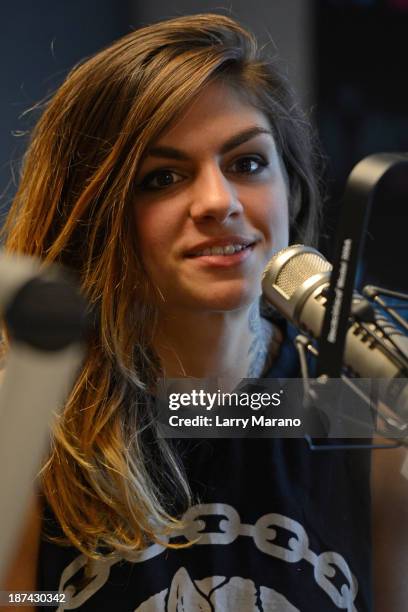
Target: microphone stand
322,410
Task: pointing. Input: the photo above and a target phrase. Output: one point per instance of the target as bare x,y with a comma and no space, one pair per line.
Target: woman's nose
214,197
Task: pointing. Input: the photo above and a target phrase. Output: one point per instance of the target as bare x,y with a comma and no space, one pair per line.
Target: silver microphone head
291,276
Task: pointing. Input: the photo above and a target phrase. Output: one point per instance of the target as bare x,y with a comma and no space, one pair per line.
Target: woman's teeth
230,249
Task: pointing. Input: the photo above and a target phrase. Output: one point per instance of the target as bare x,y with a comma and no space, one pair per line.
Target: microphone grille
291,276
291,267
298,269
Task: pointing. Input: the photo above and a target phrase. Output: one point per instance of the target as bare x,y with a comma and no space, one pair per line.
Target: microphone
296,281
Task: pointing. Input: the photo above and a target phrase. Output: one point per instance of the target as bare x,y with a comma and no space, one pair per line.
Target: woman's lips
224,261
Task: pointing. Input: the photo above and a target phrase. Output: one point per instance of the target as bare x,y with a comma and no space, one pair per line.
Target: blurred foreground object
45,318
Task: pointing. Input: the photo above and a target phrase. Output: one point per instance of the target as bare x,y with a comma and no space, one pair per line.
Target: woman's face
211,204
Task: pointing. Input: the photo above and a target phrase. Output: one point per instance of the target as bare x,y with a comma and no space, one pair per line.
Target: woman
166,171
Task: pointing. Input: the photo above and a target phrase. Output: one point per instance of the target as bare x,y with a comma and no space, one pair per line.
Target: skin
214,188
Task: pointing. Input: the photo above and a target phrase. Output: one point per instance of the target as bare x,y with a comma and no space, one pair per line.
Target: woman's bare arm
390,530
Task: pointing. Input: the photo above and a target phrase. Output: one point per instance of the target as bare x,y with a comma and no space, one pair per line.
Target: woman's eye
248,165
160,179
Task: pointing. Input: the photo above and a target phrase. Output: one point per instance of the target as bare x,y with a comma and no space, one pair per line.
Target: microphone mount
360,194
392,427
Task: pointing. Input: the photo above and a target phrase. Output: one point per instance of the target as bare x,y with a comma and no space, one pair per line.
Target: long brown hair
105,485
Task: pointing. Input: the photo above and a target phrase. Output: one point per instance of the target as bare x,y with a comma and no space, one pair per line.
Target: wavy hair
108,477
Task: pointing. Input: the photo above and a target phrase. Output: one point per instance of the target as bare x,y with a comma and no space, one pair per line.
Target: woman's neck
231,345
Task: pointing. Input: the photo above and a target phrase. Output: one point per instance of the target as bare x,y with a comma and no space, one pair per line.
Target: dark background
346,58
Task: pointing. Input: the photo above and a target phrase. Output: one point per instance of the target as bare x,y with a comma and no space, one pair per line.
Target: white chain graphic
264,532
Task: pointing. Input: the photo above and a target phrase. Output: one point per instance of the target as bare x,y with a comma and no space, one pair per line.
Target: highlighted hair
108,477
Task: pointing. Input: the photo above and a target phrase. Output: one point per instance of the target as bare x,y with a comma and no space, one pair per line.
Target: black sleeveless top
282,529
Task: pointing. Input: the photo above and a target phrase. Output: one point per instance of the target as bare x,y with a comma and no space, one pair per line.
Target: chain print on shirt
186,594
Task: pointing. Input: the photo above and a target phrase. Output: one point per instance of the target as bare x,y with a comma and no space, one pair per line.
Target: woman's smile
224,257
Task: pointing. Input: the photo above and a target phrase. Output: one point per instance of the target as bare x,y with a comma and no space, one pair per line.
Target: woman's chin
233,299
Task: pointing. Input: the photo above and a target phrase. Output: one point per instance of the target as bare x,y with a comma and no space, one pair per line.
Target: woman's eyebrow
231,143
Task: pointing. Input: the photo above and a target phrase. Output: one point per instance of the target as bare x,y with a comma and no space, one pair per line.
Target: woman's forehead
218,114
